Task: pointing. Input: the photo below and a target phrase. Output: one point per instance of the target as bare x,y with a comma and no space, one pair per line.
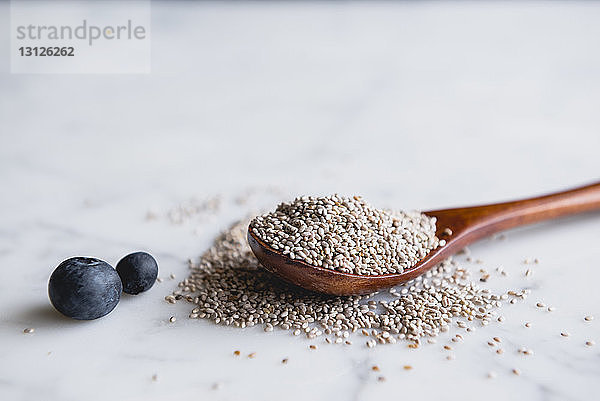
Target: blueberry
84,288
138,272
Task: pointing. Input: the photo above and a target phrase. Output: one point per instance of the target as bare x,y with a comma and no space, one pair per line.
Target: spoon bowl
456,228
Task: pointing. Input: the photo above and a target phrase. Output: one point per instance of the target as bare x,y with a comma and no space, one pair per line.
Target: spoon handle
481,221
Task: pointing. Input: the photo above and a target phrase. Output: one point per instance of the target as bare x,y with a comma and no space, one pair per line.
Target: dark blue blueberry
84,288
138,272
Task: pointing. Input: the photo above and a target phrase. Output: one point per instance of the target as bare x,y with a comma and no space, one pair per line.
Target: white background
412,105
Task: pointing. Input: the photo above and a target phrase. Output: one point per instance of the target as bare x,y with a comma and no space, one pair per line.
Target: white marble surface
412,105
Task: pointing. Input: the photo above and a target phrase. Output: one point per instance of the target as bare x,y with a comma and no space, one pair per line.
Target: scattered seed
284,361
407,367
312,346
172,276
589,343
449,348
540,305
375,368
528,324
236,353
528,272
252,355
564,334
227,286
499,351
500,319
497,339
155,377
516,372
172,319
381,379
588,318
551,309
491,375
450,357
29,330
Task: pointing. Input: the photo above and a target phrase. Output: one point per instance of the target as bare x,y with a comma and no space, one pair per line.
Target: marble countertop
412,105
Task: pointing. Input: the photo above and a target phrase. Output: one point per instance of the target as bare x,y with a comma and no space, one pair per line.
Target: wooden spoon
458,227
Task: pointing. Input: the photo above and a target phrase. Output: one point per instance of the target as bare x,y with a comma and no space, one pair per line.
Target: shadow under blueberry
44,315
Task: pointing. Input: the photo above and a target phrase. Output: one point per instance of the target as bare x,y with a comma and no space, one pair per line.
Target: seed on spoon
307,233
389,242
